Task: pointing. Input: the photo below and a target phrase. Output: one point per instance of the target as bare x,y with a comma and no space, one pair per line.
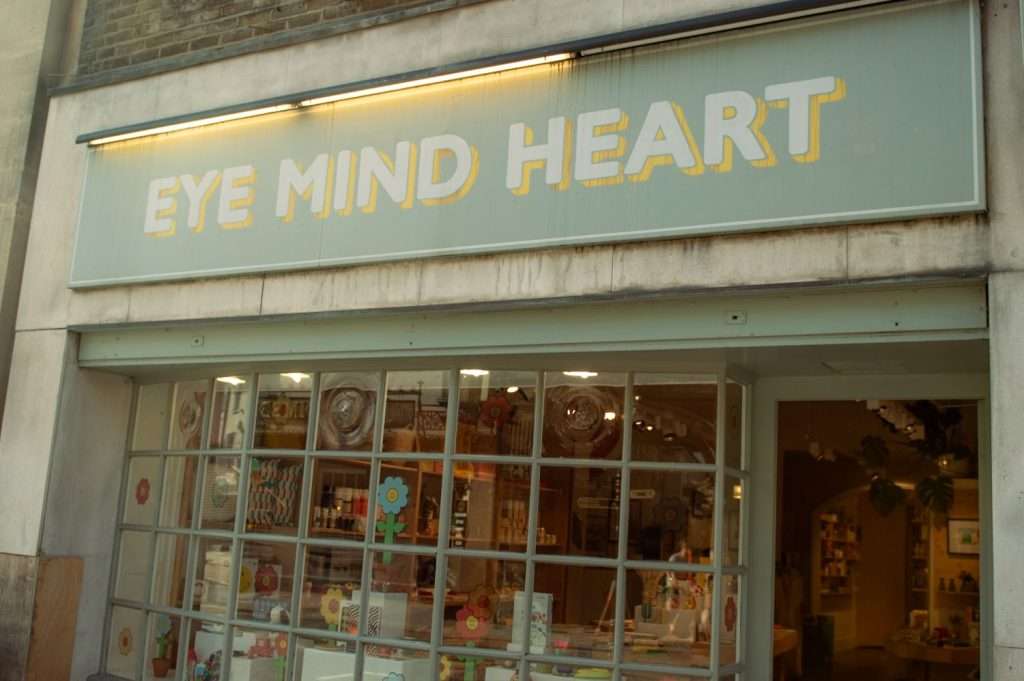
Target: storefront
481,371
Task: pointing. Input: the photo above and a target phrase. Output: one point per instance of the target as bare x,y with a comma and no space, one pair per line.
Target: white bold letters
524,156
729,118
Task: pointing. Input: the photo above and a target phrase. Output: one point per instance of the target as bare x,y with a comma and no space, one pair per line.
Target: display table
333,665
925,656
786,653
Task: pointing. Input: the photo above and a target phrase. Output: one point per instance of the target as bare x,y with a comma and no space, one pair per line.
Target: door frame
767,393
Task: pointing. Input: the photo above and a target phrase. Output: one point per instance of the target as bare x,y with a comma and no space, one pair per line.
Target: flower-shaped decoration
480,603
125,642
142,492
281,645
470,626
266,579
445,673
393,495
495,411
331,604
394,676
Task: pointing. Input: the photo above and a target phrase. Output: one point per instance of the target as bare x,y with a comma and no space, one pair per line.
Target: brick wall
121,34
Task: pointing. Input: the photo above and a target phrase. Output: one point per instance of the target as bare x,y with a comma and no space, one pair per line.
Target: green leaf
936,493
886,495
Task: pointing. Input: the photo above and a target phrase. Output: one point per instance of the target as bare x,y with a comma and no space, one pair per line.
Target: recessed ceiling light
231,380
475,373
580,374
609,416
297,377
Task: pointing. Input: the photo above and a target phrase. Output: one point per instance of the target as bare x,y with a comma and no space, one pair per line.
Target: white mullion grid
618,622
302,526
745,505
451,428
241,509
719,524
532,521
147,596
366,577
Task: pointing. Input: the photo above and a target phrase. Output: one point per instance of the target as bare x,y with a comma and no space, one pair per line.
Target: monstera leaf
936,493
886,495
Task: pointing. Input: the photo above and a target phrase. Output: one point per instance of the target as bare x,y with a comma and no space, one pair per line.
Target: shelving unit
837,549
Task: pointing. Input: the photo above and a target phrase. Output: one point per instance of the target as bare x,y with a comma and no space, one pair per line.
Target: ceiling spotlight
609,416
580,374
638,423
512,389
296,376
231,380
649,428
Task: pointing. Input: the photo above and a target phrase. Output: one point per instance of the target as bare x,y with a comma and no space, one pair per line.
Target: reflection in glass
187,414
348,404
580,510
340,498
496,412
220,493
401,596
212,577
179,486
230,412
169,577
674,418
415,415
582,609
282,411
127,641
668,606
152,416
162,640
265,581
491,505
259,654
583,415
482,594
671,515
332,575
140,493
274,495
133,565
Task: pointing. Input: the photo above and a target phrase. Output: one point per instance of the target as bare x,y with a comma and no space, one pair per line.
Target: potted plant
161,662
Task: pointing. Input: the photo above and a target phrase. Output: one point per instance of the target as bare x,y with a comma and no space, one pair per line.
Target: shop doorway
878,541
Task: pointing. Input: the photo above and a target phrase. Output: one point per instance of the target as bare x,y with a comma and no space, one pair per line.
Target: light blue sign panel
851,117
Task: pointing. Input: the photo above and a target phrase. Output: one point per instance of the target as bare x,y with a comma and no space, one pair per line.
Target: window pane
324,659
187,416
332,575
229,420
734,397
580,509
730,621
339,498
674,418
348,405
491,506
395,663
220,493
275,492
265,581
496,412
152,416
259,655
458,667
733,530
416,411
282,411
143,481
133,565
482,597
402,516
205,642
169,578
583,607
127,641
179,487
401,596
583,414
213,576
162,639
673,607
671,515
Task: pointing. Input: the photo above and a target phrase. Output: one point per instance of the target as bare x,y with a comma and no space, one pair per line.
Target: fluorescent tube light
188,125
296,376
475,373
231,380
580,374
433,80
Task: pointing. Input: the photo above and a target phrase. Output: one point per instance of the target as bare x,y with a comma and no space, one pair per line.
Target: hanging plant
874,452
886,495
940,430
936,493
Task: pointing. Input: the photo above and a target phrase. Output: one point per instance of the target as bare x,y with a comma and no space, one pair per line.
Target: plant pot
161,666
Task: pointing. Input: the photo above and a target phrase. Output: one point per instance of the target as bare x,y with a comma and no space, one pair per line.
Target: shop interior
878,540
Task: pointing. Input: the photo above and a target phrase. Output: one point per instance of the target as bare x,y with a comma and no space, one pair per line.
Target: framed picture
964,537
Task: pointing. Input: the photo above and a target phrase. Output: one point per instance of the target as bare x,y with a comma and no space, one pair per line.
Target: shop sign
859,116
